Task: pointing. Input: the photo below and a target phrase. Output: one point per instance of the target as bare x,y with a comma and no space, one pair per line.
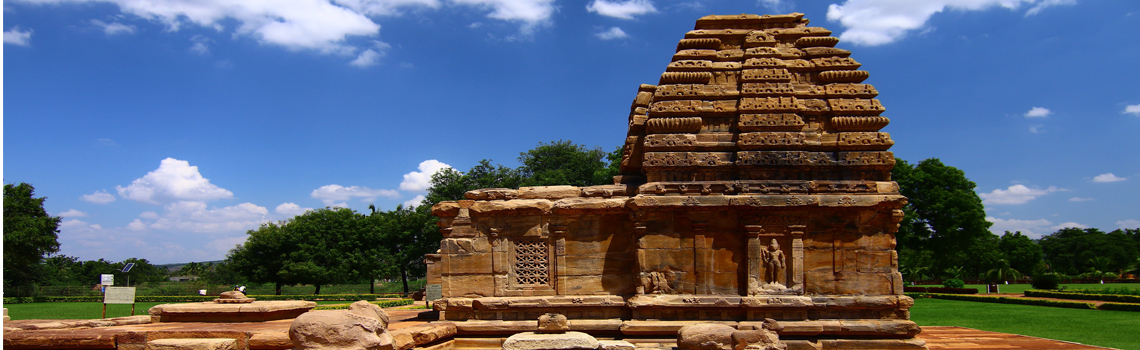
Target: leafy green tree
142,272
564,163
1021,251
328,241
944,215
449,184
29,234
1070,250
407,235
263,255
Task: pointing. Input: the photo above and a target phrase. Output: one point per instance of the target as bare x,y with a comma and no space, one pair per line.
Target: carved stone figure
654,282
774,264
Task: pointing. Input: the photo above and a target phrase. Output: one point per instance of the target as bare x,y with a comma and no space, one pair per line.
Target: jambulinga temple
755,191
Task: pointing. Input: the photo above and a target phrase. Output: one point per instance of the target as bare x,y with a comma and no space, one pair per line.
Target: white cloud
77,224
1032,228
879,22
1133,109
15,36
774,5
72,213
1079,199
113,28
173,180
224,245
1128,223
530,12
1016,194
136,225
414,202
291,209
1038,112
335,195
99,197
1047,3
421,180
385,7
1108,177
371,56
201,45
195,216
621,9
1036,128
149,215
612,33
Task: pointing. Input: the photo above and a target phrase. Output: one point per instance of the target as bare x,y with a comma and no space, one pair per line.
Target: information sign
119,295
107,280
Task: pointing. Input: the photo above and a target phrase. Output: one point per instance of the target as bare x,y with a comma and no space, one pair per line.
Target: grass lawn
1116,329
73,311
1021,288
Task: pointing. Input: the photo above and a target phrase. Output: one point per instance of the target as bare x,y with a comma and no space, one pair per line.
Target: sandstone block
705,336
362,326
192,344
615,345
563,341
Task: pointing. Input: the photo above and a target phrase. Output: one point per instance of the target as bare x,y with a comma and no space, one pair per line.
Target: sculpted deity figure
654,282
774,266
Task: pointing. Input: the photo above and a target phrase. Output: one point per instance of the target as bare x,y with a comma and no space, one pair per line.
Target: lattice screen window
531,263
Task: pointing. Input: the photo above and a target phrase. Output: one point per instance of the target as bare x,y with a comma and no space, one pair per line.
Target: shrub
1046,281
953,283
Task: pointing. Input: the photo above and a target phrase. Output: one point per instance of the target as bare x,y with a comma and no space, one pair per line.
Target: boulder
361,326
705,336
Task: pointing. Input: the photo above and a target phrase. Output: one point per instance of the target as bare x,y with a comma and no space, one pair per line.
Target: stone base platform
257,311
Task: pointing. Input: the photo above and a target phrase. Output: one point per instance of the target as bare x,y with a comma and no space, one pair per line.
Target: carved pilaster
837,249
797,280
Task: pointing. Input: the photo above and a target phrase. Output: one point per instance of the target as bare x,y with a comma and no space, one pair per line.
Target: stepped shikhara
754,185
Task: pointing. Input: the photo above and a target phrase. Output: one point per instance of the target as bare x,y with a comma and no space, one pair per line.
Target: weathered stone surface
230,312
754,183
705,336
361,326
615,345
192,344
561,341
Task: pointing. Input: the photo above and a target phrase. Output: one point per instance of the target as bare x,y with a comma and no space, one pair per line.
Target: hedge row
1006,300
199,298
381,304
1083,296
942,290
1120,307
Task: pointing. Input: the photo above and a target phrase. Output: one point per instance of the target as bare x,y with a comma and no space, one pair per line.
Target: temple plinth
755,184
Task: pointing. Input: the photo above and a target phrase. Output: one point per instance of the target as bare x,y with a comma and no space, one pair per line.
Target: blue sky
164,129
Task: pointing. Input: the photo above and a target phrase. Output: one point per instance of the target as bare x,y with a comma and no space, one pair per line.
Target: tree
943,216
408,234
1021,251
564,163
1002,272
29,234
449,184
263,255
1070,250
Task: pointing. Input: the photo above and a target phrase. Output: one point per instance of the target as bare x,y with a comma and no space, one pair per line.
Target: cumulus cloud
136,225
201,45
621,9
113,28
291,209
421,180
1133,109
15,36
1036,128
414,202
173,180
72,213
1032,228
1128,223
1079,199
99,197
335,195
530,12
370,57
1038,112
879,22
1108,177
612,33
195,216
1016,194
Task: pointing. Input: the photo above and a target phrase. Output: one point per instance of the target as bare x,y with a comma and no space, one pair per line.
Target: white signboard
119,295
107,280
433,292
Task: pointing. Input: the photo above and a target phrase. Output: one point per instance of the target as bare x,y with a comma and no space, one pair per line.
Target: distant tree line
944,235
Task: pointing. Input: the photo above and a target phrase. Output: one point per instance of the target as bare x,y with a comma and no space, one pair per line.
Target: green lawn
72,311
1021,288
1116,329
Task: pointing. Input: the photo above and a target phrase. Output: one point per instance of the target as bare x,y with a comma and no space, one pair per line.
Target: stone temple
755,184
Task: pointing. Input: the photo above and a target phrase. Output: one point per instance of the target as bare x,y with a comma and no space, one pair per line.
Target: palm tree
1002,272
1098,267
954,271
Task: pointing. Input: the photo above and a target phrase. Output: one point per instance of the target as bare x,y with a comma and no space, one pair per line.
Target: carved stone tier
755,184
